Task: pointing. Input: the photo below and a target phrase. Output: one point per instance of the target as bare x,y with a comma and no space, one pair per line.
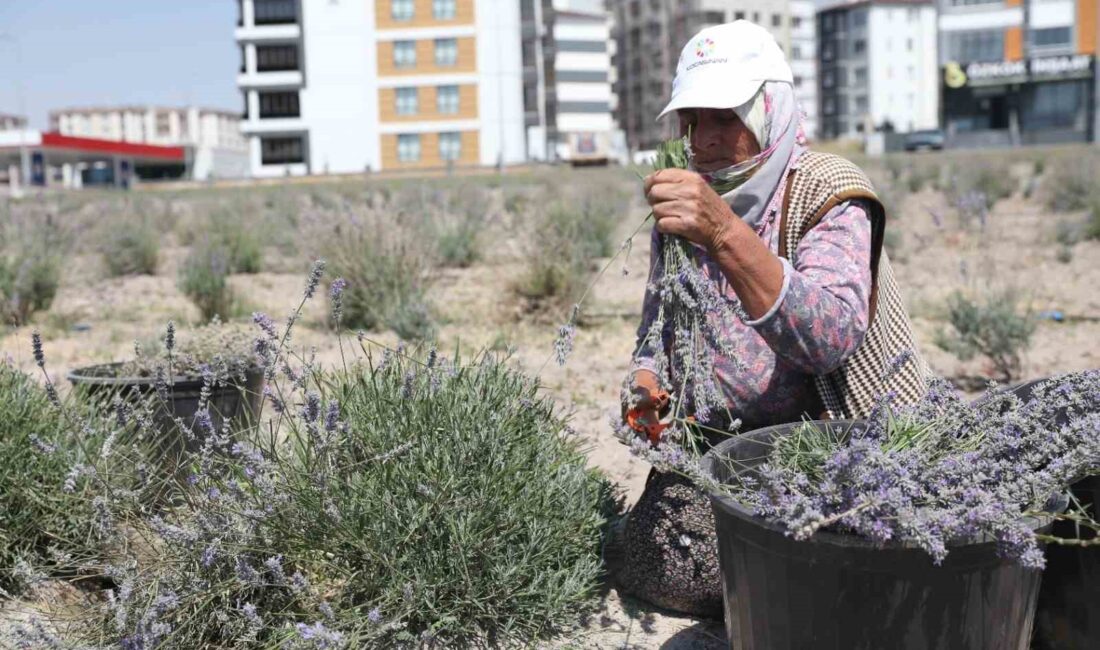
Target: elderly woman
804,312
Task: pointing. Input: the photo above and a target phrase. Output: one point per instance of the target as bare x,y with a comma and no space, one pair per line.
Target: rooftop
137,108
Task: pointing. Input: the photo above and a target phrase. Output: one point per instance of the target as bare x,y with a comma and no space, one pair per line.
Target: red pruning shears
647,420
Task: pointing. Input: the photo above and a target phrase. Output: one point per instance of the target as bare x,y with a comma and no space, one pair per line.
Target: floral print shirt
818,321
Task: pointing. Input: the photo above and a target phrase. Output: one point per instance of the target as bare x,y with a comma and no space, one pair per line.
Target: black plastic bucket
1068,613
844,592
234,401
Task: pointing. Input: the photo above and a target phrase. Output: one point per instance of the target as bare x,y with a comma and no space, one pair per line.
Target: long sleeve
822,314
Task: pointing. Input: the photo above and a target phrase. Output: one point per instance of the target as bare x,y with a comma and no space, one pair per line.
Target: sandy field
95,319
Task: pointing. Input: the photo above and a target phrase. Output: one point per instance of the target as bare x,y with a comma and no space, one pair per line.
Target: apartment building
568,81
343,87
216,148
1019,71
649,36
803,59
877,68
12,122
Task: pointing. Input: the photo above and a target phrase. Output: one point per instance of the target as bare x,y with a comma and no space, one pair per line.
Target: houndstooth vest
888,359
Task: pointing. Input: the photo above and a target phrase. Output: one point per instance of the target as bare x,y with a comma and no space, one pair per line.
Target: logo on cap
704,47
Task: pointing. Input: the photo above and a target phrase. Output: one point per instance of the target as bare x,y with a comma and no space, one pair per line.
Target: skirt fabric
670,550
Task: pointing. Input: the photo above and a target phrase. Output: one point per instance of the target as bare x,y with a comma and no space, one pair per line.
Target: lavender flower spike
315,274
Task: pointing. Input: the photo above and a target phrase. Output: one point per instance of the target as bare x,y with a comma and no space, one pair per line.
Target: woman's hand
683,204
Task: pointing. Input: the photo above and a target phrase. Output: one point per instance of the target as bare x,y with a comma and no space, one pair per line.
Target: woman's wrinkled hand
683,204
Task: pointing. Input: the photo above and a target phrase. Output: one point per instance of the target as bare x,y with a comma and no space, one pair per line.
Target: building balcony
281,79
261,126
262,33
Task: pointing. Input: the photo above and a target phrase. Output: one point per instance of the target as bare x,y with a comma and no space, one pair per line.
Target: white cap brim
722,93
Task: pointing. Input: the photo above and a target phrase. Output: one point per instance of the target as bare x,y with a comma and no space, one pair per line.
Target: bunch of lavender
693,312
940,471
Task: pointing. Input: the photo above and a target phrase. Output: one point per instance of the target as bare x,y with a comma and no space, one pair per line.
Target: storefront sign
999,72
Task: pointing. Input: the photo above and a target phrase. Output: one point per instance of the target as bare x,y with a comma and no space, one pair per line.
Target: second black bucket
1068,614
837,591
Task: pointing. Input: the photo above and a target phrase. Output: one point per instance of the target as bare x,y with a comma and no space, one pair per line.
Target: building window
796,22
404,54
408,101
756,17
274,12
450,146
279,104
827,52
859,19
777,20
1055,105
861,104
402,9
714,17
443,9
861,76
859,46
738,15
446,100
1052,37
828,107
797,81
274,58
796,52
978,45
282,151
828,79
446,51
408,147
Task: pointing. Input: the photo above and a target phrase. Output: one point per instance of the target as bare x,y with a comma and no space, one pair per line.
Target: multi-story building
1019,71
649,37
803,59
346,87
877,68
568,78
212,137
12,122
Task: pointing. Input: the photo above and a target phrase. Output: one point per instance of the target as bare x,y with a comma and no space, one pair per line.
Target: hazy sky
89,52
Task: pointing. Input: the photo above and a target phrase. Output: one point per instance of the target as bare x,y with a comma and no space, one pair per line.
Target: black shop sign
1048,68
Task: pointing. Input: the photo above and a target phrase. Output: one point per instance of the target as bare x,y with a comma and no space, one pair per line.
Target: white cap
723,66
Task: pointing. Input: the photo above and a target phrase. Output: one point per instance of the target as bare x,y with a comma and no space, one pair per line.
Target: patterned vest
888,360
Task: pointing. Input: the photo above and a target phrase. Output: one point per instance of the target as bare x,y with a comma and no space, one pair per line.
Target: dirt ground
97,320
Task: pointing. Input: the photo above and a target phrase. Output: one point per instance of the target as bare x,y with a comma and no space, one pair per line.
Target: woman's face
718,137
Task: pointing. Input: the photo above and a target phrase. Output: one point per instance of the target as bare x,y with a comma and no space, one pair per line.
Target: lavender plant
935,474
130,247
204,278
417,502
994,325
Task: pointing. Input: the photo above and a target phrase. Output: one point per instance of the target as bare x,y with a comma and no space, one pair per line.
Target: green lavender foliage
204,278
994,325
40,520
388,269
130,247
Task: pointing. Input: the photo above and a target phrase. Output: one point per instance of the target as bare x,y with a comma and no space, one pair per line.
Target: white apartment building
217,149
877,68
12,122
570,103
346,86
803,60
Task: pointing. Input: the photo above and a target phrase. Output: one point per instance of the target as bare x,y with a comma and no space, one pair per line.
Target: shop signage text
1050,67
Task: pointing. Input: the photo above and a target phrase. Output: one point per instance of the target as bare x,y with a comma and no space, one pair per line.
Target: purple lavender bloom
36,347
315,274
170,337
320,636
375,616
336,294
